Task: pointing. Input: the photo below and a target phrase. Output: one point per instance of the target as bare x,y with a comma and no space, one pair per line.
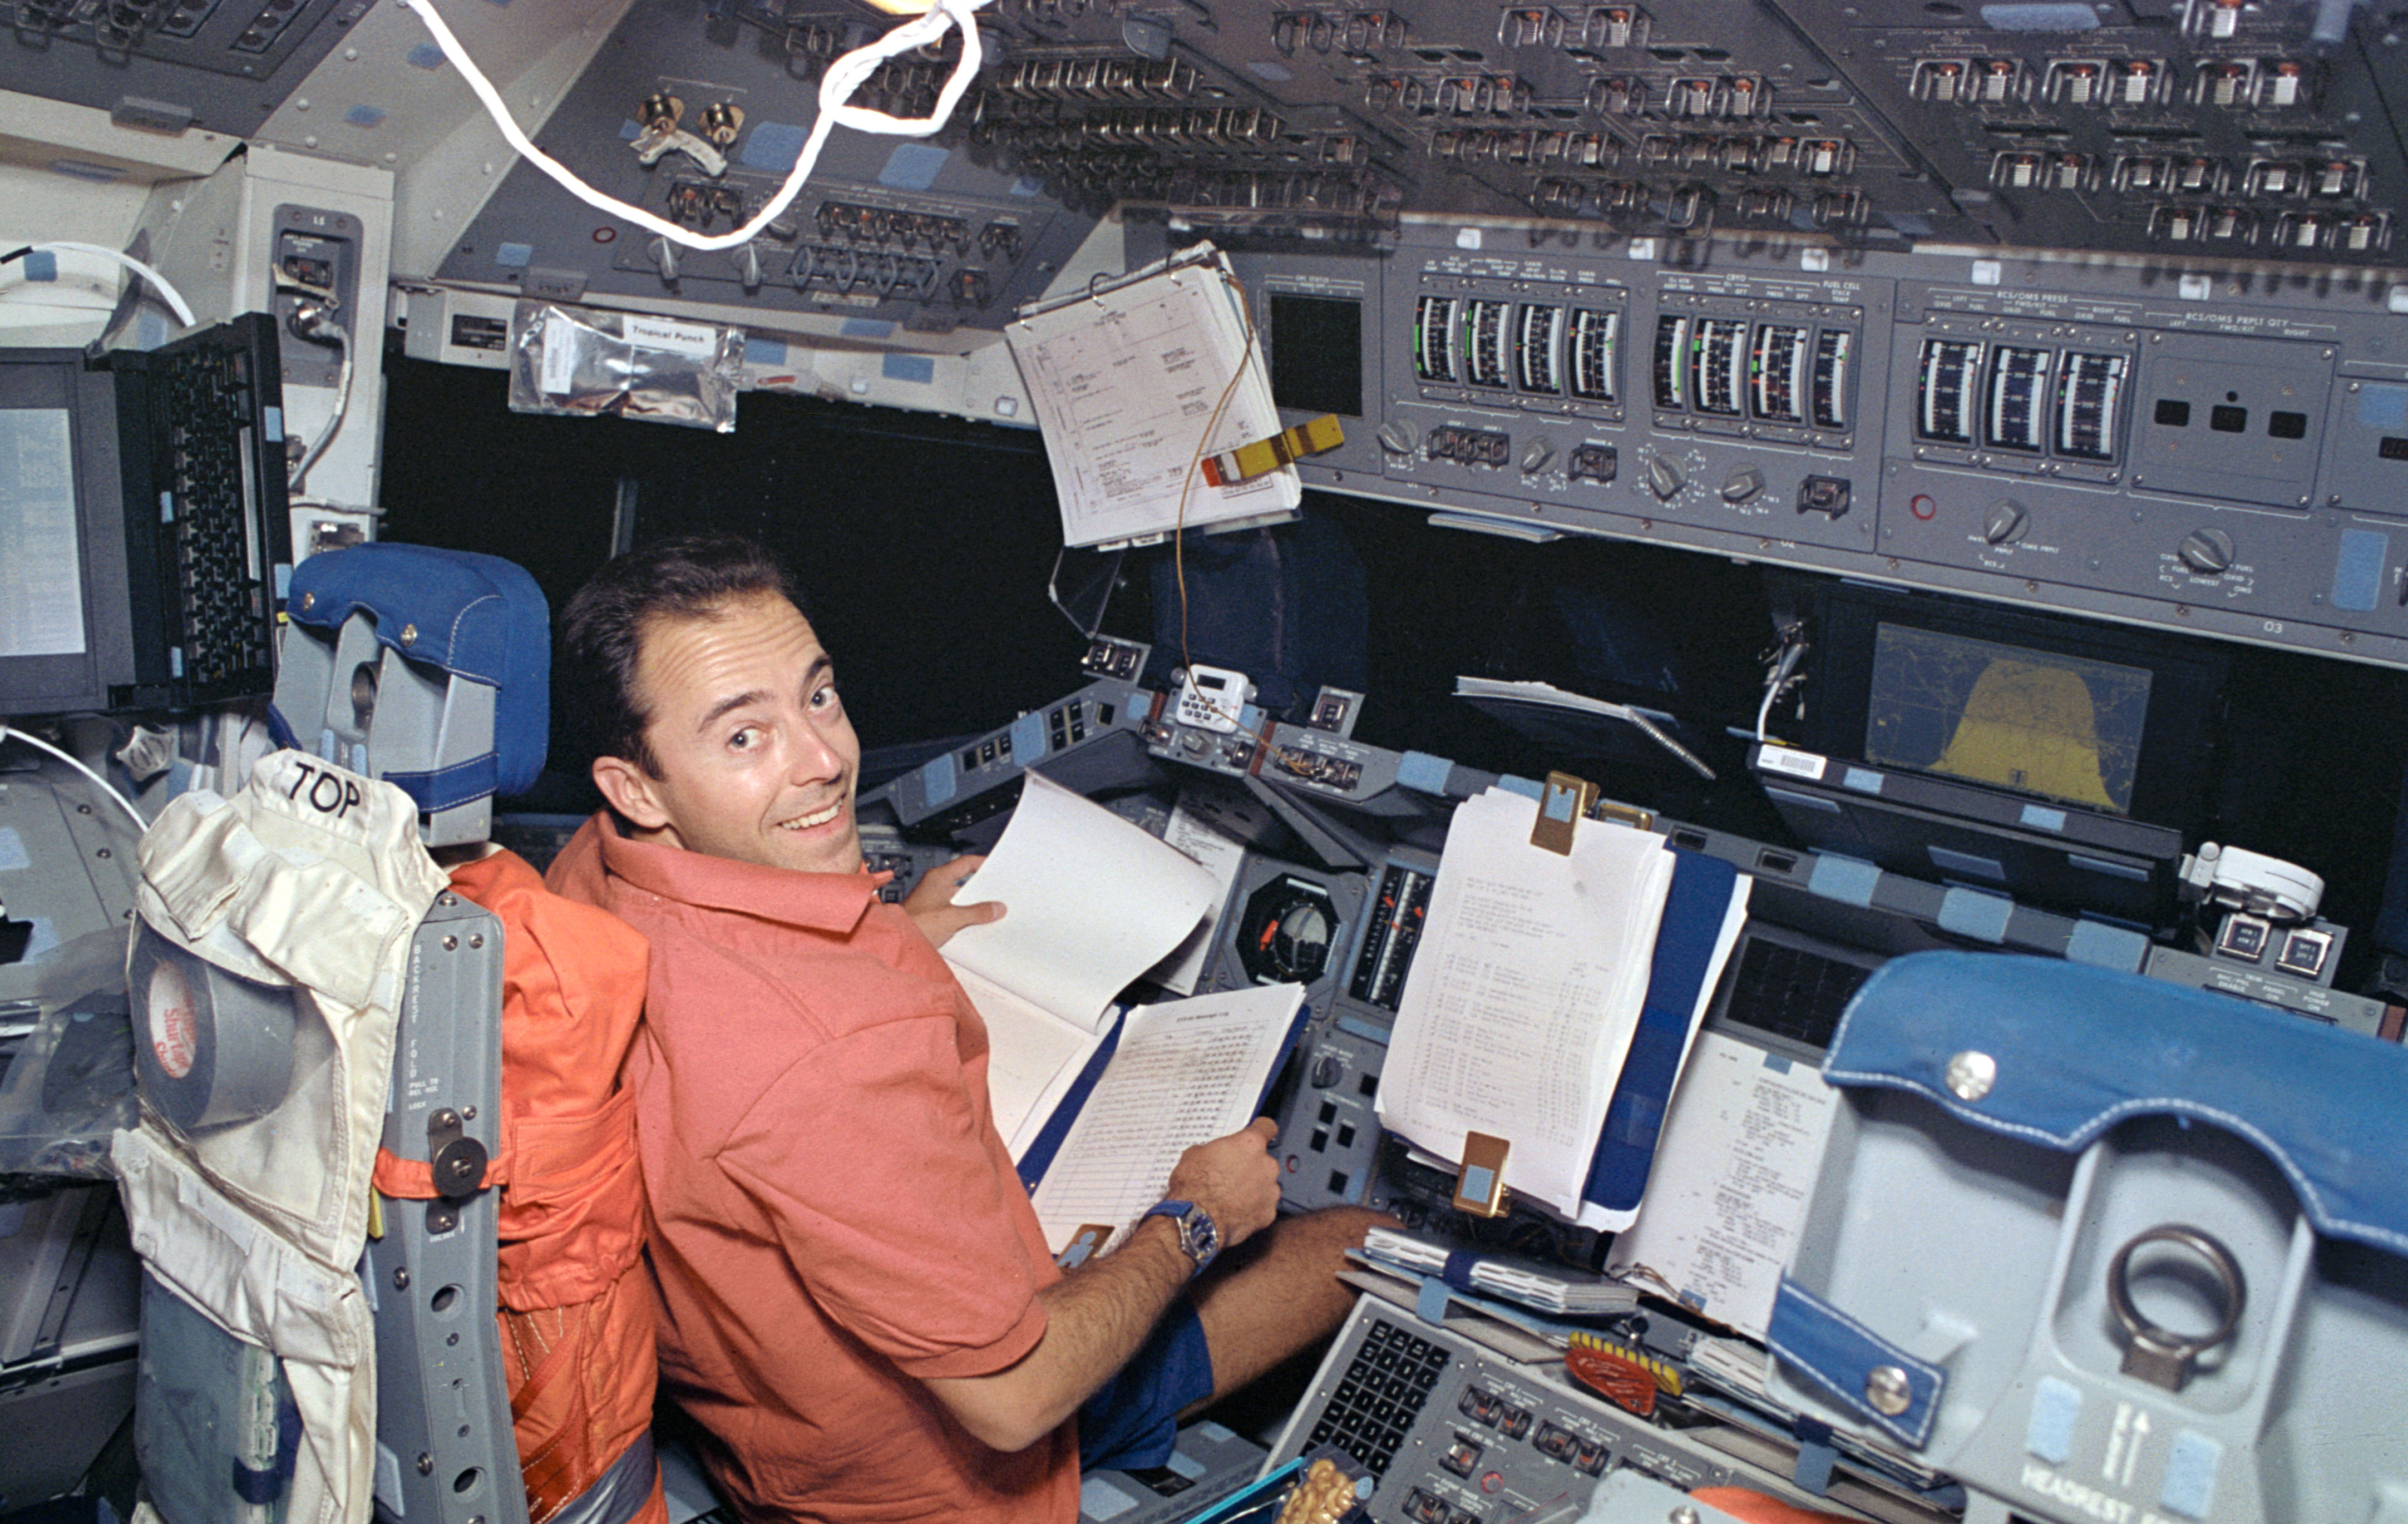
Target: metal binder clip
2159,1355
1480,1191
1560,807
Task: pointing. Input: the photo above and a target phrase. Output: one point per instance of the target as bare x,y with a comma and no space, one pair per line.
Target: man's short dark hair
602,628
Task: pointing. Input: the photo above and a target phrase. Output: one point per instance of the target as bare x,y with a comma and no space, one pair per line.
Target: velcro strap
413,1179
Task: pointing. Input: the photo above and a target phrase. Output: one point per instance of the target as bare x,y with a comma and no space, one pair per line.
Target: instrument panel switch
1825,496
1743,485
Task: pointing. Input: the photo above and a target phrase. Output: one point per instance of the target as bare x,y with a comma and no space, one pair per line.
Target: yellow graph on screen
2029,727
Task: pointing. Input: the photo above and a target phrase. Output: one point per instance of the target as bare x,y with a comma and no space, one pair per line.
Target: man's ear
630,791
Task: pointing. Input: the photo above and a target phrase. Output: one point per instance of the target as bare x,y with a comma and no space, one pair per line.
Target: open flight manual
1135,381
1554,1000
1097,1104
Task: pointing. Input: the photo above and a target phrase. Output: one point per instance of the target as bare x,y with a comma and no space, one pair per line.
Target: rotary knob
1536,459
2208,551
2006,522
1399,438
1664,479
1742,484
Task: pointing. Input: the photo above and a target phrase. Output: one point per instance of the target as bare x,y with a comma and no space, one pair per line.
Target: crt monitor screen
2068,728
2097,717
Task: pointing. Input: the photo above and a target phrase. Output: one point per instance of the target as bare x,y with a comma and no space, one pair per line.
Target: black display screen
1316,354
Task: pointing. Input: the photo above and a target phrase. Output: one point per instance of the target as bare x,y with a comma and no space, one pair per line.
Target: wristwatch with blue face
1199,1239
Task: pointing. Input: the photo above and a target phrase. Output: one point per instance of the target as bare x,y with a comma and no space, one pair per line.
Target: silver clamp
2159,1355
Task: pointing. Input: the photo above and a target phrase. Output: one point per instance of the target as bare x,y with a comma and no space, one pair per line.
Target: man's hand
1234,1179
930,903
1097,1319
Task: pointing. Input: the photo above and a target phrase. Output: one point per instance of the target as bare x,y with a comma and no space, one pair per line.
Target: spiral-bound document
1126,376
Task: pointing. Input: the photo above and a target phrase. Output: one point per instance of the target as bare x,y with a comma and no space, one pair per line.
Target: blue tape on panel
1522,786
1363,1028
2042,818
2190,1474
2039,18
913,166
938,780
1420,770
512,256
773,146
1028,737
2383,407
41,265
2102,945
1968,912
864,328
768,353
2056,1404
1862,779
1965,865
2357,569
1559,804
1844,879
918,368
2129,871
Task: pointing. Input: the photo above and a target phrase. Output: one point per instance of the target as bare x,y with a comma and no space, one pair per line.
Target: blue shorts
1132,1421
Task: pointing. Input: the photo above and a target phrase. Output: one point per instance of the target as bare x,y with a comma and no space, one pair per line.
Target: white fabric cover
310,877
314,1318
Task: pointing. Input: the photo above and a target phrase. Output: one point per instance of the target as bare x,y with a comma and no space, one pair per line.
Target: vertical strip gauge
1947,386
2016,417
1721,352
1672,361
1537,350
1775,368
2089,394
1834,349
1437,348
1485,342
1394,929
1593,341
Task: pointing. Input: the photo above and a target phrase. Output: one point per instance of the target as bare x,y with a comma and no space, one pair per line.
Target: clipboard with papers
1553,1002
1136,383
1096,1102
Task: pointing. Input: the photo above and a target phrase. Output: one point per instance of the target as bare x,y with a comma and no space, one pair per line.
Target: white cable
158,282
843,77
7,733
327,332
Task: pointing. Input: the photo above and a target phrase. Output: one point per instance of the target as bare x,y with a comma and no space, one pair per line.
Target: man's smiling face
757,761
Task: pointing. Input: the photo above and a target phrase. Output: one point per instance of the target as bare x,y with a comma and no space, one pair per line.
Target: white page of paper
1187,1072
1123,384
1525,992
1726,938
1222,858
1033,1058
1727,1200
1090,903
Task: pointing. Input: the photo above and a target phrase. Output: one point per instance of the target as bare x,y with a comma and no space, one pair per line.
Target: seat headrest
470,615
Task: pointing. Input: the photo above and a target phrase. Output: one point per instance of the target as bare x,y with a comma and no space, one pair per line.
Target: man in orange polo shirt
857,1304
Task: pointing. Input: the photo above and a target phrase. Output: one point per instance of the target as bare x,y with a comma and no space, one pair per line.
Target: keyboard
1381,1394
1791,991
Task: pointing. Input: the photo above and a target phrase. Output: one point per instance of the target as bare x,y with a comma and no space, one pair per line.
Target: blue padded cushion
477,617
2080,1049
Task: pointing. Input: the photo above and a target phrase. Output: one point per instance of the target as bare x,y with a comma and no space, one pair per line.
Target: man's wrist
1198,1236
